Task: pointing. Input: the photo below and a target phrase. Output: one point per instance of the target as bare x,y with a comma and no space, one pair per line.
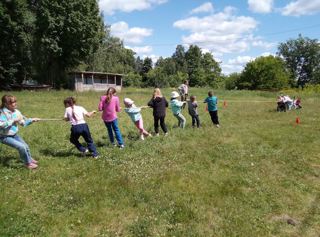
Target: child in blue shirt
136,117
212,102
10,118
176,107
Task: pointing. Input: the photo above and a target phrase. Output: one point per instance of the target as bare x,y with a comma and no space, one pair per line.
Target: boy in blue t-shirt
212,102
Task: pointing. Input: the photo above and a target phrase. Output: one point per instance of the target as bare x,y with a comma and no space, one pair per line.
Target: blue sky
234,31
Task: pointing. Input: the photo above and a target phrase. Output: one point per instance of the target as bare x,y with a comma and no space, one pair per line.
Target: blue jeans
18,143
113,126
82,130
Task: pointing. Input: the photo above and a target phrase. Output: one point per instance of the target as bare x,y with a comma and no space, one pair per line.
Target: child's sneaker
141,137
166,134
34,161
95,156
114,144
85,152
121,146
31,166
217,125
157,134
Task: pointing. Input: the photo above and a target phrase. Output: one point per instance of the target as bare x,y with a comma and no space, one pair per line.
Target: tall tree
179,57
302,57
16,28
68,31
111,56
147,66
264,73
193,59
211,69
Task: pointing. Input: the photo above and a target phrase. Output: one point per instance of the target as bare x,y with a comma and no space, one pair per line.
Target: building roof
96,73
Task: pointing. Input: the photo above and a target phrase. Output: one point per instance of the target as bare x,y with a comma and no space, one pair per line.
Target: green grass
247,178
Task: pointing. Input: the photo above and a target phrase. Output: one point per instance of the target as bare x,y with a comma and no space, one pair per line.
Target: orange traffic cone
225,104
298,120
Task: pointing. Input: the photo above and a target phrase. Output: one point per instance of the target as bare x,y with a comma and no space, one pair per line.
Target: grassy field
257,175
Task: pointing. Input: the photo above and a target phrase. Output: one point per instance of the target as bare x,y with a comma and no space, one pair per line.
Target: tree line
43,40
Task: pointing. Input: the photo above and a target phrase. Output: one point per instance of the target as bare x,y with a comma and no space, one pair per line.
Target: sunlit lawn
258,175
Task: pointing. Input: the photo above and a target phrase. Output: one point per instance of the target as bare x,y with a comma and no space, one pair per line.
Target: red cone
225,104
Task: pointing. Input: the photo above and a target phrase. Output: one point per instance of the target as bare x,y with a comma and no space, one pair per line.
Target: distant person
176,107
212,102
288,102
184,90
281,106
134,113
109,105
297,103
159,105
10,118
79,128
193,111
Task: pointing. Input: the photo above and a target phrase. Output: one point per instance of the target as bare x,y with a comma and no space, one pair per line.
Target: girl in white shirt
75,115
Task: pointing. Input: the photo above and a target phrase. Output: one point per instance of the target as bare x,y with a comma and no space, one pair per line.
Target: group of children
109,105
284,103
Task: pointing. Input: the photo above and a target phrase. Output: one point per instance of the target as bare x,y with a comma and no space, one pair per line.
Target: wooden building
95,81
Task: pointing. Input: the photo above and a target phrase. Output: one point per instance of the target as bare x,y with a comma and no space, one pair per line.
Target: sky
234,32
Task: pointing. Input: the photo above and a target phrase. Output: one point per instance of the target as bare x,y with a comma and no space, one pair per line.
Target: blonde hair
157,93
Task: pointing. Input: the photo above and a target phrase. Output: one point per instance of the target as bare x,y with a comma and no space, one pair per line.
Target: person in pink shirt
109,105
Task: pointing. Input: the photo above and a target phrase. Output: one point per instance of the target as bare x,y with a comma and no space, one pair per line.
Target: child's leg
156,124
215,117
139,125
197,120
116,129
87,137
163,125
182,120
110,132
193,120
74,137
18,143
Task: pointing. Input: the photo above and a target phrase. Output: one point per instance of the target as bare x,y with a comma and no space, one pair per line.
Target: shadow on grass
5,161
60,154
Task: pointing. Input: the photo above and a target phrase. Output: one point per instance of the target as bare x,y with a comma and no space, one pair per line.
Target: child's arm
89,114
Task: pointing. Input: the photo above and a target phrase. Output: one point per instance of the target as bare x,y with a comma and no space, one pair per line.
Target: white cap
128,101
174,94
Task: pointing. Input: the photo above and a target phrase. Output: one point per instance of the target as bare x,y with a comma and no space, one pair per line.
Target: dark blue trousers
82,130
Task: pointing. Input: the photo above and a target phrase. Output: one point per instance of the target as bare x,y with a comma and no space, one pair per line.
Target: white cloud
260,6
134,35
265,54
240,60
109,7
153,57
223,32
301,7
141,50
237,64
206,7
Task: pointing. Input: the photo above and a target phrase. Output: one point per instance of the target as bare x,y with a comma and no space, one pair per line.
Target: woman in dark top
159,105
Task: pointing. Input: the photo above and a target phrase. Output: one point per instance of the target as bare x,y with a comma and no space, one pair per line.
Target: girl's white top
78,112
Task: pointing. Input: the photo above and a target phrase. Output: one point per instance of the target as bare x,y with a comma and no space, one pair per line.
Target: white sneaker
141,137
85,152
217,125
121,146
157,134
166,134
